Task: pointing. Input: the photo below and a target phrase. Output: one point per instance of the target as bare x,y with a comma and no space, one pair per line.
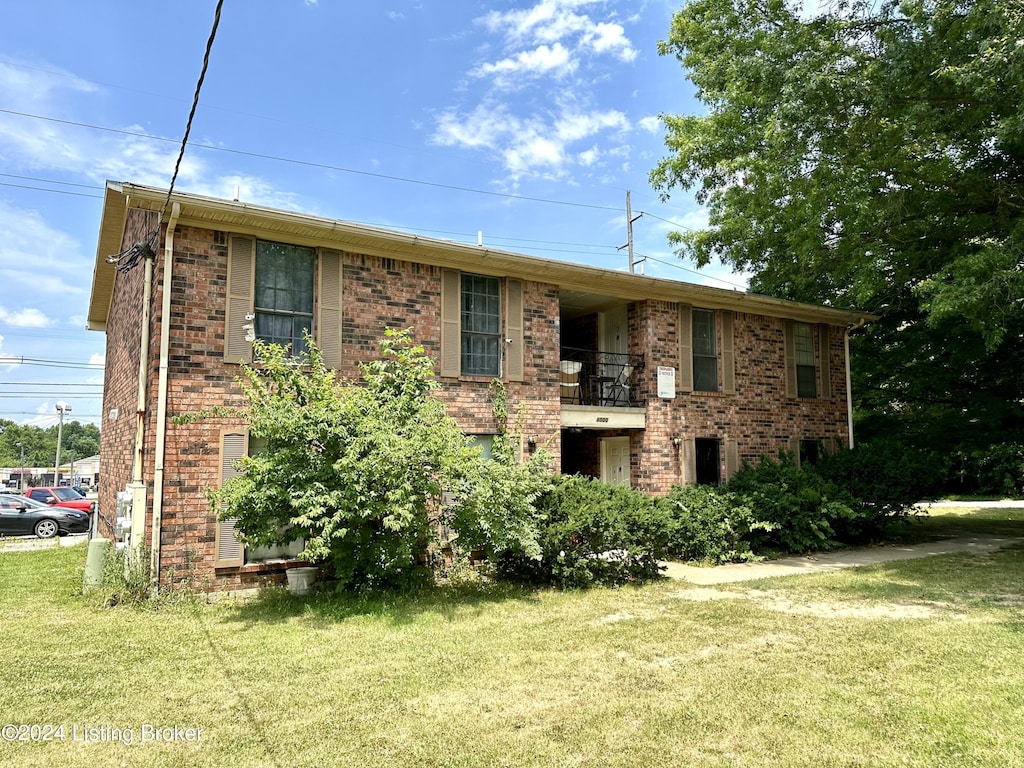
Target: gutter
161,397
849,385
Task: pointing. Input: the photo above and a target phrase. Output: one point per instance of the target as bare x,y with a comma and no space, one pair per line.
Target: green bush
594,533
710,524
361,472
886,479
803,511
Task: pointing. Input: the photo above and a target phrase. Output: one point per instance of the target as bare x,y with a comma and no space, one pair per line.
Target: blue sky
526,120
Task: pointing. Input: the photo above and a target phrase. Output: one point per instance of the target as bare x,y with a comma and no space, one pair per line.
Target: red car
61,497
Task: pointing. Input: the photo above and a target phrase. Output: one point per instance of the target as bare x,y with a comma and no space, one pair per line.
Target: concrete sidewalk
832,561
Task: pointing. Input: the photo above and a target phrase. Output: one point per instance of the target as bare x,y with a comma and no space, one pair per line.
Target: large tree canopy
871,156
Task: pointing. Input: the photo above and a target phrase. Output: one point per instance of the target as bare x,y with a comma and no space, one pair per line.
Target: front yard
912,663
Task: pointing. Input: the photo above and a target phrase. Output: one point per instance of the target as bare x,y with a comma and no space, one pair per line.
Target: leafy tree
40,444
871,156
360,471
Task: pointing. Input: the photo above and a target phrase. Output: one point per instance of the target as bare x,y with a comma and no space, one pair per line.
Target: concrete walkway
832,561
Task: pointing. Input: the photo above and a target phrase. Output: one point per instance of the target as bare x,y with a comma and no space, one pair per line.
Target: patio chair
619,392
572,391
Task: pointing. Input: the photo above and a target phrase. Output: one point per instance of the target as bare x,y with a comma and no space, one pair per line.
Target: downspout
161,397
140,408
849,386
136,489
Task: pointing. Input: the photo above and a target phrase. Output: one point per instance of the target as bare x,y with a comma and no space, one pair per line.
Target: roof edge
247,218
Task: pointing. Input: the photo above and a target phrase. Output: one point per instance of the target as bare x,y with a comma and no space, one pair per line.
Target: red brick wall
379,293
759,416
121,375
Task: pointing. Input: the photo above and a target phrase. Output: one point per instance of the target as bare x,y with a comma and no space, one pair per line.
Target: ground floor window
810,453
708,461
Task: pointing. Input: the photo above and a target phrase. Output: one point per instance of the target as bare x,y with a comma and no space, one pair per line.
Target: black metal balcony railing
593,377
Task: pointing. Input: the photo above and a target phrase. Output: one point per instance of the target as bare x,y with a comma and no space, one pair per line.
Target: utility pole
62,408
630,218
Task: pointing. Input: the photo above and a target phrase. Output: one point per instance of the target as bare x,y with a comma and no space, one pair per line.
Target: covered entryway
615,460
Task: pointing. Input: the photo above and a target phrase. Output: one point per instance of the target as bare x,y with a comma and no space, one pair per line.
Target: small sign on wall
666,382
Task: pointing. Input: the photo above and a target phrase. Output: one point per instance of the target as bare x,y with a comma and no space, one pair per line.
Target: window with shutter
283,295
806,370
705,351
472,341
274,289
481,325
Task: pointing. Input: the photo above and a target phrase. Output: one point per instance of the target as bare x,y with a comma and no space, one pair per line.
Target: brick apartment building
626,377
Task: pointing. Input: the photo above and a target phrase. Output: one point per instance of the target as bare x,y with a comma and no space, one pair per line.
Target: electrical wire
323,166
44,363
693,271
55,191
195,105
130,257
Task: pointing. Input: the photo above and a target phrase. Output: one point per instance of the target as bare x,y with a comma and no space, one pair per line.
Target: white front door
615,460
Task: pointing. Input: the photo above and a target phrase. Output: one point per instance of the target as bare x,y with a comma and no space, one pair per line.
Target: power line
33,395
77,417
669,221
195,105
51,181
693,271
312,164
55,191
44,384
44,363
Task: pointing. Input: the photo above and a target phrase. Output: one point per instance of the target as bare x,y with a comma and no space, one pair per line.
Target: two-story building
630,378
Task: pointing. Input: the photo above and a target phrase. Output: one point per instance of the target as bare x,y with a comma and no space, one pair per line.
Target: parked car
61,497
21,516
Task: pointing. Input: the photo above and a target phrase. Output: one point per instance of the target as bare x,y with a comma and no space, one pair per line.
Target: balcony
599,379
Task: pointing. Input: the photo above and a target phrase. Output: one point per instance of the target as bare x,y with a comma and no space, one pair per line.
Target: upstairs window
705,351
806,372
272,289
481,325
284,294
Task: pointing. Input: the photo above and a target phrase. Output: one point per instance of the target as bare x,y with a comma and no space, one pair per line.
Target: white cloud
25,318
45,416
55,256
28,86
9,361
548,20
651,124
588,157
529,145
44,146
574,127
557,22
551,40
610,38
539,61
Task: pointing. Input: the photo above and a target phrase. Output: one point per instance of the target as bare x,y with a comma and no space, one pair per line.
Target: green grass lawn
914,663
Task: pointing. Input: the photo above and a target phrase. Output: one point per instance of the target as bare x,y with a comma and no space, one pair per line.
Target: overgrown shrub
804,512
494,508
886,479
710,524
594,533
361,471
